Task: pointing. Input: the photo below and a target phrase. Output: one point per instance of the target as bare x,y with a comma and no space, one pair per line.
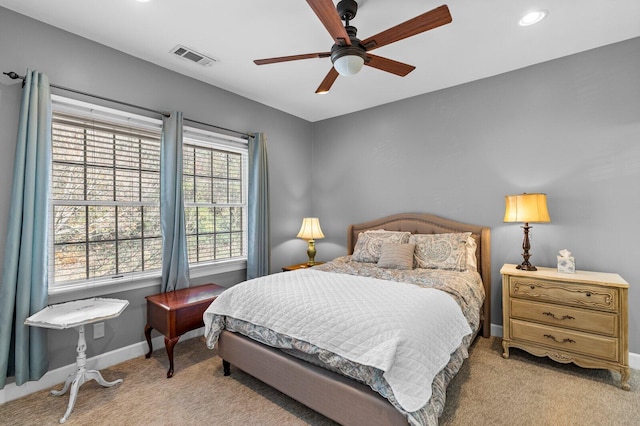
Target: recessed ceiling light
533,17
144,1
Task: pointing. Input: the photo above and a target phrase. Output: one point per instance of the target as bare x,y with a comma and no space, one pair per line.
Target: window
105,199
105,195
215,193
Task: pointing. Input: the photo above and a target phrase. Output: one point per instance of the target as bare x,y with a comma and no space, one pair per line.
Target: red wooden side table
176,312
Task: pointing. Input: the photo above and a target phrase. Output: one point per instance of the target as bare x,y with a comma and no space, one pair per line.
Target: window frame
131,281
210,140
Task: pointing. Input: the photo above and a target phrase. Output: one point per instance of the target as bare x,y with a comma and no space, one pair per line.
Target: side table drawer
564,316
562,339
581,295
190,317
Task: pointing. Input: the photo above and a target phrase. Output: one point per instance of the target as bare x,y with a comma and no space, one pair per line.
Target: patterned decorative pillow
472,262
441,251
369,244
396,256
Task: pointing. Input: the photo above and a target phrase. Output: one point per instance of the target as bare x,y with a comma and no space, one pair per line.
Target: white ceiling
484,39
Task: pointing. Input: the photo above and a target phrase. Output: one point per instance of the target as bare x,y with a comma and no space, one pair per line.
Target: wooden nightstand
299,266
580,318
176,312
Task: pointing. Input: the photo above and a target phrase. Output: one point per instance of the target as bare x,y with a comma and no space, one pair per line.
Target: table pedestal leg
81,375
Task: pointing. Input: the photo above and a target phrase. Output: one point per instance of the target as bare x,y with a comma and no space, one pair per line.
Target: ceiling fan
349,53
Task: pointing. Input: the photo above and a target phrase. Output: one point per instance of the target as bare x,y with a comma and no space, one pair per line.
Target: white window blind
215,192
105,195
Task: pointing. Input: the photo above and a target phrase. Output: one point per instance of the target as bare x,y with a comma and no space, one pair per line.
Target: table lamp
526,208
310,231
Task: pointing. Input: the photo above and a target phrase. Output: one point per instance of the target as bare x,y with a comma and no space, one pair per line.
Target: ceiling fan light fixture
348,60
533,17
348,64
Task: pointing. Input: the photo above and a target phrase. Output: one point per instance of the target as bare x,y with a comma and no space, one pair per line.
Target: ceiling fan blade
421,23
328,15
389,65
291,58
328,81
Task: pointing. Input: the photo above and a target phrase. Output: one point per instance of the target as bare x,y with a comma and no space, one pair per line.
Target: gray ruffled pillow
396,256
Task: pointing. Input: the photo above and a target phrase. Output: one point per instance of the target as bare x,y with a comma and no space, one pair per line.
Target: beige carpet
489,390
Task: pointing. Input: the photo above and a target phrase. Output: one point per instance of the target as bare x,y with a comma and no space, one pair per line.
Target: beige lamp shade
526,208
310,229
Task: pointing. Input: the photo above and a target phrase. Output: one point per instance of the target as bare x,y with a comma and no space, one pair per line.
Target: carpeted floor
489,390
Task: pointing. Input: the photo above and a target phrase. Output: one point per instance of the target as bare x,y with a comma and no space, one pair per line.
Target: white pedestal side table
76,314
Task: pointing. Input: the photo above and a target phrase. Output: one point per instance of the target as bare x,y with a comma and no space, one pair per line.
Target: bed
325,378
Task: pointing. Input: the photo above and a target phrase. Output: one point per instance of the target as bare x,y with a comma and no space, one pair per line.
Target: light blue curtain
259,253
175,263
23,291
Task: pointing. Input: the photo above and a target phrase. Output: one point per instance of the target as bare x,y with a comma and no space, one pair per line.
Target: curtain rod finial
12,75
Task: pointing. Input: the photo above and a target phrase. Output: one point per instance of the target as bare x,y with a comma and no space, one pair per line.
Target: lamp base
311,253
527,267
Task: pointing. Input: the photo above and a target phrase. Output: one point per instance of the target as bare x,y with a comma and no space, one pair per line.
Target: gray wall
568,127
71,61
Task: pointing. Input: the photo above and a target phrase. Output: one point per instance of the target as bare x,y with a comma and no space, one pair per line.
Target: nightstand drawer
564,316
582,295
563,339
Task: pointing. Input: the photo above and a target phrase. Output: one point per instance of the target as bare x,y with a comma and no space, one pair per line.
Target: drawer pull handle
552,315
588,294
532,287
567,340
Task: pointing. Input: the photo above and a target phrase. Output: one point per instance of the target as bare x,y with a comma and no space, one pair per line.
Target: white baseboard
496,330
59,375
634,359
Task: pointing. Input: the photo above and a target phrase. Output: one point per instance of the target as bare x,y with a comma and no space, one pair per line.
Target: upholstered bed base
346,401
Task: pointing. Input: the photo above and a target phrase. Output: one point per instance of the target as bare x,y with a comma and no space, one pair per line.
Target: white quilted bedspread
404,330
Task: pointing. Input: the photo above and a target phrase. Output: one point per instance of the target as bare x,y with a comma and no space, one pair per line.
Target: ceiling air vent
192,55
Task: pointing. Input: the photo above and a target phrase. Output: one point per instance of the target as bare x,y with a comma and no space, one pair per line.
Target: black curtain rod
247,135
15,76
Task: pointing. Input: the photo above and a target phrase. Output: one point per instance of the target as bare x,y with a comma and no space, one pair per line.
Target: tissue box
567,264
